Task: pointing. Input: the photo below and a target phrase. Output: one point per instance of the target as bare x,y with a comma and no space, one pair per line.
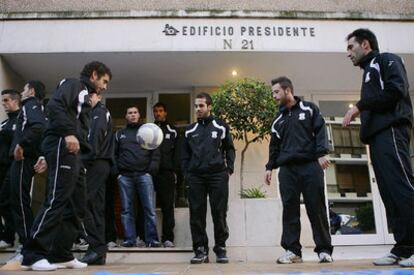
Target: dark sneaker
201,256
221,255
127,244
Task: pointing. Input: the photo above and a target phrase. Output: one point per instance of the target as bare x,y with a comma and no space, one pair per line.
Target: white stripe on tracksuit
399,158
54,189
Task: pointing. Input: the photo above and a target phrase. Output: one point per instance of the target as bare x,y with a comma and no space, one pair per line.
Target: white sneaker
81,245
388,259
4,245
41,265
168,244
17,257
409,262
75,264
325,258
289,258
112,245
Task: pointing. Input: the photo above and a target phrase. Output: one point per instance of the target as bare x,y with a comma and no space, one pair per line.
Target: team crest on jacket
302,116
214,134
167,136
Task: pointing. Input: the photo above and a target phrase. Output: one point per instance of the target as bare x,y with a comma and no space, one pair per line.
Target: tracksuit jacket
31,122
298,135
100,134
385,99
69,107
168,145
130,158
7,130
208,147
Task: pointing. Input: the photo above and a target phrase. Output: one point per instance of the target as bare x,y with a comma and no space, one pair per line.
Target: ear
94,76
210,107
365,45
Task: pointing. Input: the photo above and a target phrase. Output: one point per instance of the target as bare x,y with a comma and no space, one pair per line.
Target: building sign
189,34
248,33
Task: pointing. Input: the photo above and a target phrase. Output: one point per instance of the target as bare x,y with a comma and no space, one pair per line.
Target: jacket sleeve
155,161
63,123
99,130
229,151
185,155
35,125
274,151
115,153
394,79
321,135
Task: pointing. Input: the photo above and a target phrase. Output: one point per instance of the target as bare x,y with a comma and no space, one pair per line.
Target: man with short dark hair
135,168
11,105
25,148
207,162
164,180
386,123
298,146
57,223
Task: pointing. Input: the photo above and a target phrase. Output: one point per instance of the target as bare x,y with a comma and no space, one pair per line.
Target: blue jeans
143,186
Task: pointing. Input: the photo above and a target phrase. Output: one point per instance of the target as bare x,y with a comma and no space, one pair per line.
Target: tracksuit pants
164,183
308,179
57,224
6,217
216,187
21,177
96,177
390,156
110,226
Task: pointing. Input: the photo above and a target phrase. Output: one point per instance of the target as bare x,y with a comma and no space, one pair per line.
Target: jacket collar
366,59
91,87
13,114
133,125
284,109
205,121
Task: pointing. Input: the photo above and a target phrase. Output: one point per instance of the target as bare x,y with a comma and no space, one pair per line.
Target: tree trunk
246,145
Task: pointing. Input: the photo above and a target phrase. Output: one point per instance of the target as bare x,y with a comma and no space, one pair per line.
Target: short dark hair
14,94
160,104
131,106
364,34
284,82
206,96
100,68
38,87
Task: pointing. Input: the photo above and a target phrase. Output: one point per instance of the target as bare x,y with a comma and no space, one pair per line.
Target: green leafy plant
253,193
247,106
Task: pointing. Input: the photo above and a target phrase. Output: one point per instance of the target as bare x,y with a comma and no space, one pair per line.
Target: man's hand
41,165
72,144
349,116
324,162
268,177
18,153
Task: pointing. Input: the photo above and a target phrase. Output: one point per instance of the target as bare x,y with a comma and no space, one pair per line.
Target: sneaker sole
291,262
205,260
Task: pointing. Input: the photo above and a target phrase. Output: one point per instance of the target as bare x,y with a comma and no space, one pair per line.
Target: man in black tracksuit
98,167
25,149
298,146
57,223
207,162
11,104
164,180
386,124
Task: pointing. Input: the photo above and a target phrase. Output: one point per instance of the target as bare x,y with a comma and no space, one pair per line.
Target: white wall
8,80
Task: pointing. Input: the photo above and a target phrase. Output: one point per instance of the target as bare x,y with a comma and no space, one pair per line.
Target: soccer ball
149,136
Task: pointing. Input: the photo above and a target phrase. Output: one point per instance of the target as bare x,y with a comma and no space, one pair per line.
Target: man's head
94,98
360,43
11,100
203,105
34,88
282,90
160,112
99,74
132,114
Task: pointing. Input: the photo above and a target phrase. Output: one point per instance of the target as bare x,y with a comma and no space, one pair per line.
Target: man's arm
230,152
274,150
321,138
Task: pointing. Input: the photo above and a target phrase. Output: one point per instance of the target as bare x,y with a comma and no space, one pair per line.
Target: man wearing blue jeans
135,166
